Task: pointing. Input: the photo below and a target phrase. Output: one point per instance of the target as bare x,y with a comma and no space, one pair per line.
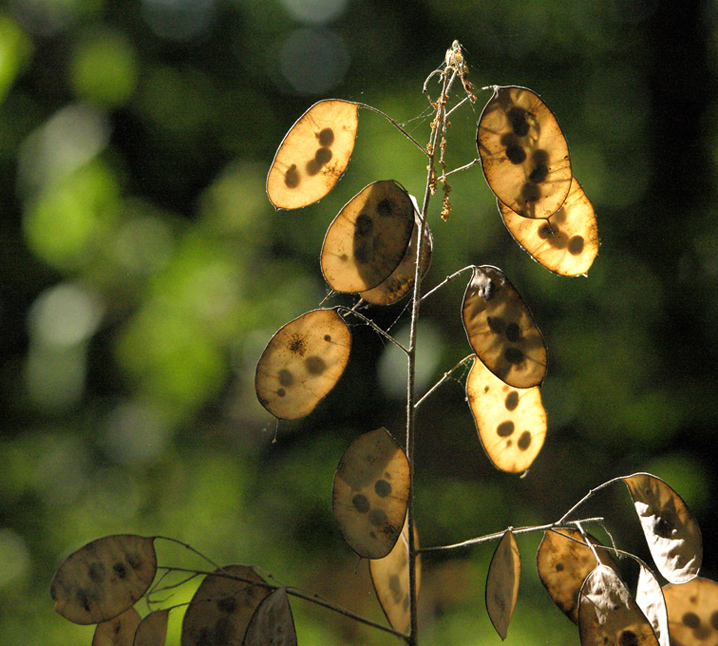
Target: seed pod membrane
565,242
564,560
314,154
104,578
370,493
368,239
511,422
523,152
692,612
672,534
608,615
222,607
390,576
501,329
502,583
302,363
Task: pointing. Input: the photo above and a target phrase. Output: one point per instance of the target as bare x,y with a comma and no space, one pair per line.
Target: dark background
143,270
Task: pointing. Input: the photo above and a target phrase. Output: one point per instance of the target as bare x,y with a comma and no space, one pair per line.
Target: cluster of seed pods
371,249
102,582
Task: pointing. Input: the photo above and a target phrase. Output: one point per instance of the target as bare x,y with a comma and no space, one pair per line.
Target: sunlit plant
378,248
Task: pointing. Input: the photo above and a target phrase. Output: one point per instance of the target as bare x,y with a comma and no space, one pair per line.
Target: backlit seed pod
673,535
501,329
502,583
368,238
565,242
692,612
119,631
370,494
302,363
401,280
390,576
564,560
272,623
152,630
608,615
523,152
313,155
511,421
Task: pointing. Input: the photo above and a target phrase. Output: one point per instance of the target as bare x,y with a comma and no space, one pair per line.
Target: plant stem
437,126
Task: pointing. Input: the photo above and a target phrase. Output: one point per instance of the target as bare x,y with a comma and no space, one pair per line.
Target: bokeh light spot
179,20
14,556
103,68
314,11
314,60
65,315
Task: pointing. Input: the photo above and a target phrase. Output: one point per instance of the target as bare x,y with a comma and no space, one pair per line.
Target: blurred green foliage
142,272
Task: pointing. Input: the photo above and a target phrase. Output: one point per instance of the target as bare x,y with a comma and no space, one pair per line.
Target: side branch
586,497
498,535
444,378
397,126
446,280
471,164
374,327
295,592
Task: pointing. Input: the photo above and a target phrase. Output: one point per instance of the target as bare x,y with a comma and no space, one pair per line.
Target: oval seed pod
565,242
302,363
501,329
401,280
119,631
370,493
650,600
692,612
313,155
223,606
368,239
152,630
511,421
523,152
104,578
272,623
390,576
673,535
564,560
608,615
502,583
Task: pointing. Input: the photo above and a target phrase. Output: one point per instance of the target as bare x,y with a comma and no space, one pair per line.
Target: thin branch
497,535
585,498
448,279
396,125
296,592
458,105
188,547
343,611
471,164
373,326
430,187
444,378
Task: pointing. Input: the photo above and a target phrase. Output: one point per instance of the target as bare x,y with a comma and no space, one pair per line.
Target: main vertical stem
437,126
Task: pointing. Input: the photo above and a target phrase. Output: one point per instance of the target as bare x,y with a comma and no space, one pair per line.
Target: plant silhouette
379,248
